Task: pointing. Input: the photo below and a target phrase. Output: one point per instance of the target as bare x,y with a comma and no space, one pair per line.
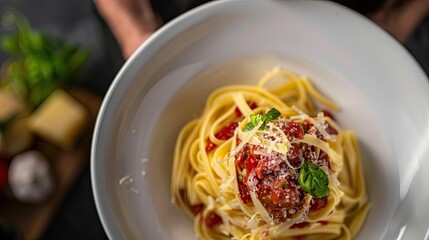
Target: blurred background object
30,177
63,53
58,59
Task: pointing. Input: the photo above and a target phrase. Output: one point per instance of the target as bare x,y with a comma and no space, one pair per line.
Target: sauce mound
272,174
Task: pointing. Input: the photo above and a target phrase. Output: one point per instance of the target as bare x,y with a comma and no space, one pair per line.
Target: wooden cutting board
66,166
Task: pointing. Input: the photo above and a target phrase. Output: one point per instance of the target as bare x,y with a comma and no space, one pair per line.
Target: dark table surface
77,21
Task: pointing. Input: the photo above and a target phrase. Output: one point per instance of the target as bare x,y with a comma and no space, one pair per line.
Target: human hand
131,21
401,21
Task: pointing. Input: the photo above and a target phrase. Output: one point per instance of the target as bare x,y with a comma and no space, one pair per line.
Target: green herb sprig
313,180
255,119
38,63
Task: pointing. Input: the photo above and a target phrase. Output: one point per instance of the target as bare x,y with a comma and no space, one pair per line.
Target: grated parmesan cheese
280,143
124,180
246,138
134,190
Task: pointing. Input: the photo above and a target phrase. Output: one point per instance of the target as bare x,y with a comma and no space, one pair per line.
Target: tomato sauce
267,174
196,209
300,225
224,134
212,219
318,204
274,182
238,113
228,131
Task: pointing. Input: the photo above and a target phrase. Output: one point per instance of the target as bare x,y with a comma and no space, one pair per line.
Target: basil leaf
256,118
10,44
313,180
77,61
39,63
39,93
30,41
272,115
249,127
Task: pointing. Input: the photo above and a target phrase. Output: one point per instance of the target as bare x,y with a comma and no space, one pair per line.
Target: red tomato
196,209
213,219
252,105
224,134
318,203
300,225
293,129
3,176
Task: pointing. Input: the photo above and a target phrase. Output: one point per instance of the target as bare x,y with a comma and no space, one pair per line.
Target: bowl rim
144,52
119,85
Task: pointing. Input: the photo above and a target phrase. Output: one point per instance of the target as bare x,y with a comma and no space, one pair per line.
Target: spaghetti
265,164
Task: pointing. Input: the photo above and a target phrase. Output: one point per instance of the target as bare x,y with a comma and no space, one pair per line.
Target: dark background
77,21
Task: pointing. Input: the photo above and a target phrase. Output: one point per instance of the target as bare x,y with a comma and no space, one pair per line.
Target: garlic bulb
30,178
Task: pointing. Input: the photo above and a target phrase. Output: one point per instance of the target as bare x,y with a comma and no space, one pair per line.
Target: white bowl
383,93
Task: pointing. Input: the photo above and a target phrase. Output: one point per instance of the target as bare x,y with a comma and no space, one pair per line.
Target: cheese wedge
60,119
